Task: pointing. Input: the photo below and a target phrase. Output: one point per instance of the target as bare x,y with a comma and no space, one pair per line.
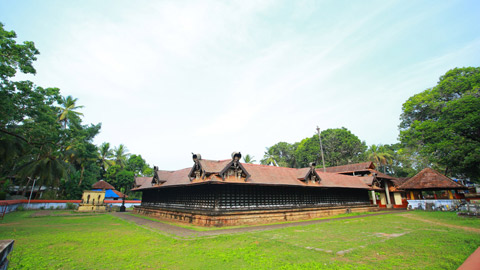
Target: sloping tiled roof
175,178
430,179
364,166
102,185
340,180
382,175
259,174
214,166
143,181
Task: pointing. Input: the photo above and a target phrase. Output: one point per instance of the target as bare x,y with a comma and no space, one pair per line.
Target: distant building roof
430,179
102,185
110,191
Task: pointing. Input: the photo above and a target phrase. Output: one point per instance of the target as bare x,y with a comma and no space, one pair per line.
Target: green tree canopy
281,154
442,124
340,147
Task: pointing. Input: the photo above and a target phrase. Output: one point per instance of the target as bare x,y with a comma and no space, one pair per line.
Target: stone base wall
247,217
91,208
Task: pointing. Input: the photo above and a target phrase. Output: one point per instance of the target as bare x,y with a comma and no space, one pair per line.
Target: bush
20,208
71,206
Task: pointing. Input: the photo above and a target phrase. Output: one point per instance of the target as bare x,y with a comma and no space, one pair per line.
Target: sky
168,78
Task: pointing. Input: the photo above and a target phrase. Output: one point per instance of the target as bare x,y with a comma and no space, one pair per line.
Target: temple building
430,184
386,191
227,192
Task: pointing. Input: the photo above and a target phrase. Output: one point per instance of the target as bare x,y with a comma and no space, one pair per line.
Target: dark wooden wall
249,197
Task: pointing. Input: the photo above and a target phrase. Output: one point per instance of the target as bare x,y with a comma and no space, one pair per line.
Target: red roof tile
102,185
430,179
364,166
340,180
214,166
259,174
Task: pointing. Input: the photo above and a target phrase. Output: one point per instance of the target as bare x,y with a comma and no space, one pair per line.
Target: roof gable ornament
197,171
312,175
155,179
234,168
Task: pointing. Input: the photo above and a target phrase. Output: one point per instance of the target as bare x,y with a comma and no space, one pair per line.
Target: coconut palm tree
248,159
48,169
121,155
105,155
379,156
269,158
68,110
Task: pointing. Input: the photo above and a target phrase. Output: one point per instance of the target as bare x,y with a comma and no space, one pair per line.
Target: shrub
20,208
71,206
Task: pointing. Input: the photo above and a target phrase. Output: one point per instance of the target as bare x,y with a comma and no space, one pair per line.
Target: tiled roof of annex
430,179
258,174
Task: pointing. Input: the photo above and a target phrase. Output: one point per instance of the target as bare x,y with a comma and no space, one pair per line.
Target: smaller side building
430,190
110,192
92,201
430,184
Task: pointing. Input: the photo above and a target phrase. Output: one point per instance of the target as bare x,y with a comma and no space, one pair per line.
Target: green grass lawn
413,240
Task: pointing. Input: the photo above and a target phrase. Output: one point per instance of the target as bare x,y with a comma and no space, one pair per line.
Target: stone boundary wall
213,219
12,205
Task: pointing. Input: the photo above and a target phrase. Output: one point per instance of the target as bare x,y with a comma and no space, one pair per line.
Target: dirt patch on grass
470,229
389,235
9,224
42,213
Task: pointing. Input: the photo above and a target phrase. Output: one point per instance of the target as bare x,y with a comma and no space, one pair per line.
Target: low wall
12,205
433,204
246,217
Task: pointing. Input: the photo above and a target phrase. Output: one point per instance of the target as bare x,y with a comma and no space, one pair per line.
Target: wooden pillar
374,198
387,193
216,204
450,194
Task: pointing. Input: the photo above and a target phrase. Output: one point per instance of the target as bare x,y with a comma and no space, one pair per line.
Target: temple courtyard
388,239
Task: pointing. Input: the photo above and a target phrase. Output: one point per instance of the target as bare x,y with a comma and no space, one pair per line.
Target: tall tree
137,165
68,110
442,124
340,147
105,155
281,154
248,159
380,155
121,154
33,142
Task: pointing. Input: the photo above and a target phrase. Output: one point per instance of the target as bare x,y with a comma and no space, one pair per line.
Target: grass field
409,240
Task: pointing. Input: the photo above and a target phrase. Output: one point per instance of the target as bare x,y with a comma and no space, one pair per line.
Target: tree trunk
81,175
26,187
38,192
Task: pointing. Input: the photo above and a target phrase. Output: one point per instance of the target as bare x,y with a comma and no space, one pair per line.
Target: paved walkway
188,233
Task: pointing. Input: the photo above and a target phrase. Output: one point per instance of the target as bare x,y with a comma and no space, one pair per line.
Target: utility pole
31,191
321,148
